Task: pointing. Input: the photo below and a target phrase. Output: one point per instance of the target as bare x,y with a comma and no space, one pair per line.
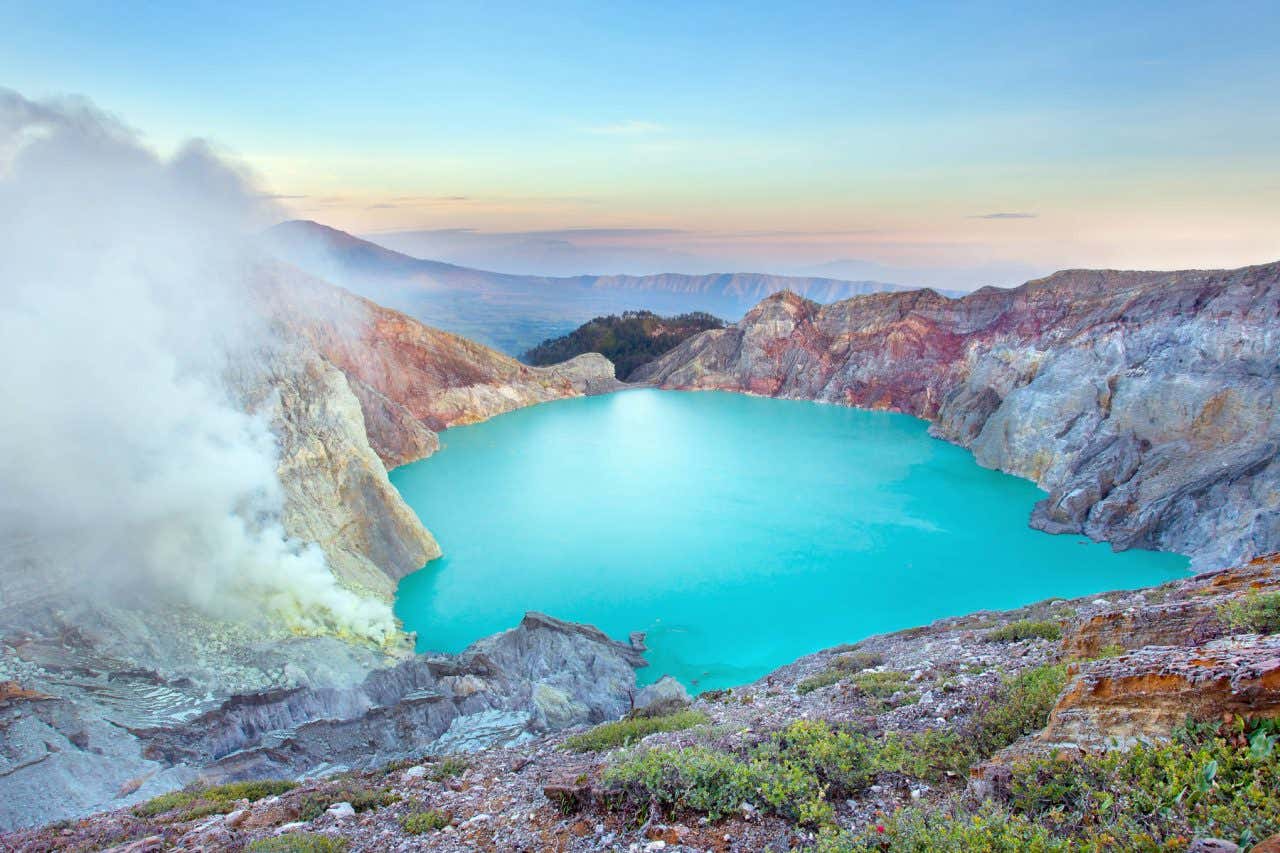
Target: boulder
663,696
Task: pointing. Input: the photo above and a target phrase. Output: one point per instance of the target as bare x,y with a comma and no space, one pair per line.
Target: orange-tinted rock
1189,618
1149,692
12,691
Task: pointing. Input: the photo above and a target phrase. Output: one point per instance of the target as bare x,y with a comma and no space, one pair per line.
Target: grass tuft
631,729
420,823
1025,629
1257,612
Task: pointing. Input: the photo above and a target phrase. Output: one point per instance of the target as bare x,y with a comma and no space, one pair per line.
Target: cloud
1005,216
630,127
131,470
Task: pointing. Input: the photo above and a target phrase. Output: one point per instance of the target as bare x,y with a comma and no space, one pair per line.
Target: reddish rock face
1144,402
411,380
1149,692
1188,619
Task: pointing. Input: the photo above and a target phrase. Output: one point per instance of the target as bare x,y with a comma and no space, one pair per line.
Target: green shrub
164,803
930,754
916,830
252,791
695,778
857,661
447,768
1200,783
1257,612
419,823
826,678
1208,781
1025,629
361,798
798,772
298,842
794,774
1020,707
200,802
880,684
628,731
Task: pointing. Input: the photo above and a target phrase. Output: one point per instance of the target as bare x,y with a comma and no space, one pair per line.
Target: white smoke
126,465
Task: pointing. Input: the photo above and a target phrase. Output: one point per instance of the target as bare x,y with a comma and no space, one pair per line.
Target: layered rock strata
1145,403
60,757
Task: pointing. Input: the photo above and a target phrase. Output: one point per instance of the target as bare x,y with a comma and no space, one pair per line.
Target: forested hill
628,340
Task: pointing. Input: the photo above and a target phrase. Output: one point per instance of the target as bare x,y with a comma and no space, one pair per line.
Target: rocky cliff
354,383
62,756
1144,402
108,699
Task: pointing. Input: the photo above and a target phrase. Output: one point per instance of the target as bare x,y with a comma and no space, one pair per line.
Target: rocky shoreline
540,794
1144,402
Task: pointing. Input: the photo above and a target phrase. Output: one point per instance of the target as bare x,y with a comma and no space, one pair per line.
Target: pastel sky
955,144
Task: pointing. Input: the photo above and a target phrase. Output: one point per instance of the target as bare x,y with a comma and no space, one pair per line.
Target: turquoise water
738,532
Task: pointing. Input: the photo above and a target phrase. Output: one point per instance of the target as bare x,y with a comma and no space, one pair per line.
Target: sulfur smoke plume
128,466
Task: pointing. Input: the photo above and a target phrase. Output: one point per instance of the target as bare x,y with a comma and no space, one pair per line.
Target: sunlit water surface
738,532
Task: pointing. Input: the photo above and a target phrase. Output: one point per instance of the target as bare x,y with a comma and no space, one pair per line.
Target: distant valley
513,313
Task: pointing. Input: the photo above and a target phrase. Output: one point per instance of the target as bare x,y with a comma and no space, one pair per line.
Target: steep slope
356,380
1144,402
515,312
108,685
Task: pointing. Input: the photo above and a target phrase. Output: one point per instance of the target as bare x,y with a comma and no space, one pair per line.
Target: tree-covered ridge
628,340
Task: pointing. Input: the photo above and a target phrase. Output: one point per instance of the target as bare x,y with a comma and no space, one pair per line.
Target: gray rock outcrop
63,757
1145,403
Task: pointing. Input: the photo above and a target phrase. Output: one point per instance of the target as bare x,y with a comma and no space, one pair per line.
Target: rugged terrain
514,312
356,380
350,389
1143,402
875,739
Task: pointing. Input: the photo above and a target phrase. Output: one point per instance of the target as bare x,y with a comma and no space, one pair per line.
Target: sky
951,144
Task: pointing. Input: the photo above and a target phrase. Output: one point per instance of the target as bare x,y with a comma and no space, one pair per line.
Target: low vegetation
298,842
629,340
826,678
1209,781
1025,629
631,729
857,661
800,770
361,797
1257,613
856,669
196,802
420,823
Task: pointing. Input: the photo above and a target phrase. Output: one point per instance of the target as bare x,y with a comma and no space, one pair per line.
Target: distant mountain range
513,313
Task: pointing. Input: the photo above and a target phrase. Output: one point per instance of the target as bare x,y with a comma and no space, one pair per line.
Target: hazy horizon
923,144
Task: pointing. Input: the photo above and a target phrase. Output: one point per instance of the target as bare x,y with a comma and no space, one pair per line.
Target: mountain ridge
515,312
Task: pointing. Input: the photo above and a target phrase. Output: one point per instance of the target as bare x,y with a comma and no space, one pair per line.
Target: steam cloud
127,464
